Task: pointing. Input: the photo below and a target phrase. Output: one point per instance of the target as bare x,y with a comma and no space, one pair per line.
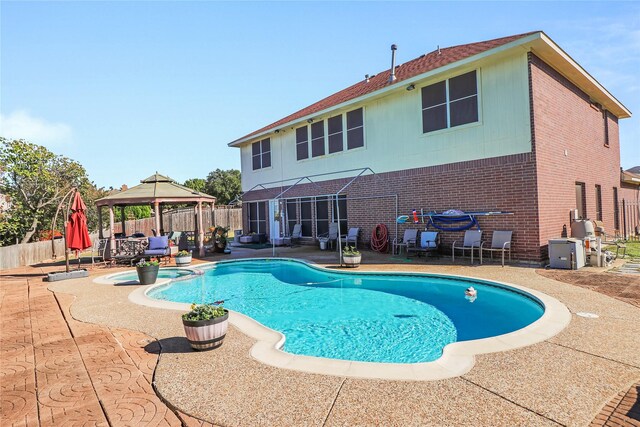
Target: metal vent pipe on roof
392,76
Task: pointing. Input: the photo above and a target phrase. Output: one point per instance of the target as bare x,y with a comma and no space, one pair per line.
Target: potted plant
206,325
220,234
351,256
183,258
147,271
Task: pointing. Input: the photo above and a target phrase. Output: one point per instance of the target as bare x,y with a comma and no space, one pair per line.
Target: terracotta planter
183,261
147,275
206,334
351,260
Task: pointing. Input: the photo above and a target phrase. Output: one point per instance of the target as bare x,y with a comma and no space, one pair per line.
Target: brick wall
569,147
495,184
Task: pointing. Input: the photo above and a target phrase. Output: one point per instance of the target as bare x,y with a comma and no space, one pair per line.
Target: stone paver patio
59,370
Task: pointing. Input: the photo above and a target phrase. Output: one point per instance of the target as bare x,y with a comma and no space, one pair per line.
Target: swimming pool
368,317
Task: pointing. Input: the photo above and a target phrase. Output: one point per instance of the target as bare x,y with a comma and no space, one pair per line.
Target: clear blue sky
128,88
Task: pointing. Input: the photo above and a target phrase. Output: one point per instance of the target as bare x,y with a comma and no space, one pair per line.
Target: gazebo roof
156,188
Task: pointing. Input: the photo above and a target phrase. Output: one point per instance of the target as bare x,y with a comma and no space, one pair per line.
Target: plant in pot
221,238
147,271
183,258
206,325
351,256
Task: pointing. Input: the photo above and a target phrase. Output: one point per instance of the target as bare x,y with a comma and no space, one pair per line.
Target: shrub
204,312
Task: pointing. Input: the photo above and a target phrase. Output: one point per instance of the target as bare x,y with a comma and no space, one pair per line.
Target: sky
131,88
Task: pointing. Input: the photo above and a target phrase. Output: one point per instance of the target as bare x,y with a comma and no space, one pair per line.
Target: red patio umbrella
77,235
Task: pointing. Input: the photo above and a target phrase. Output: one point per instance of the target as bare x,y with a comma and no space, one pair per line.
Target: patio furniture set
429,243
132,249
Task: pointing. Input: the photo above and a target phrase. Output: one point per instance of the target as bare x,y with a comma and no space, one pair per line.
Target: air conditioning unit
567,254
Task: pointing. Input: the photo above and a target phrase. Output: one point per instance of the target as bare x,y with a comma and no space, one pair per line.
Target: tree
224,185
133,212
35,180
197,184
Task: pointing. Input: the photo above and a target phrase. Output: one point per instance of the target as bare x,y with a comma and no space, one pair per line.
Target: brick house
512,124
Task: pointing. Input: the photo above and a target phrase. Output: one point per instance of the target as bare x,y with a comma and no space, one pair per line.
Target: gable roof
155,188
439,58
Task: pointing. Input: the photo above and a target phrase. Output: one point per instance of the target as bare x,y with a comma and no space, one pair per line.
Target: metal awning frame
334,196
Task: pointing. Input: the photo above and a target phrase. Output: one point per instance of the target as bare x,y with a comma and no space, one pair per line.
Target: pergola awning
155,189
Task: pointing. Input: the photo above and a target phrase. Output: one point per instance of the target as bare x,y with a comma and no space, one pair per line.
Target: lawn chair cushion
156,252
160,242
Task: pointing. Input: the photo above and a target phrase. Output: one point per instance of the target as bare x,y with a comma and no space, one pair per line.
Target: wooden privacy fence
184,220
32,253
630,219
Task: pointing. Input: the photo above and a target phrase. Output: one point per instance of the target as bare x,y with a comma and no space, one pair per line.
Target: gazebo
157,191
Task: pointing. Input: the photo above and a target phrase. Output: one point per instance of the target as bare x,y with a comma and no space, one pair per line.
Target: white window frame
448,102
308,130
345,140
261,153
346,130
343,119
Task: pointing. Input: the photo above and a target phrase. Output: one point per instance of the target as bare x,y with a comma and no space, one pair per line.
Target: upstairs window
261,154
334,132
317,139
302,143
452,102
355,129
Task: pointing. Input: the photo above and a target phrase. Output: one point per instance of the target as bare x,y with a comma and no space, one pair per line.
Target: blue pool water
366,317
163,273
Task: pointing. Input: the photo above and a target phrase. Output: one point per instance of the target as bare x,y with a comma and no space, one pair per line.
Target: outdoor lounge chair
500,242
472,240
352,236
127,250
158,248
296,233
331,236
99,250
429,243
409,239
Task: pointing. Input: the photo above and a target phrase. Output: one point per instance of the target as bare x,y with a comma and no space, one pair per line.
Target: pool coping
457,358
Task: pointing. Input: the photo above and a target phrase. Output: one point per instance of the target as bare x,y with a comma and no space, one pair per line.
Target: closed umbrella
77,236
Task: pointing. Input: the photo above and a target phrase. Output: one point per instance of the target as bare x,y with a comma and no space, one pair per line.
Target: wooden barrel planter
183,261
351,260
206,334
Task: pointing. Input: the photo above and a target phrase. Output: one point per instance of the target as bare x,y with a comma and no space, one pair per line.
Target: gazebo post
124,225
200,231
156,208
112,246
100,233
161,222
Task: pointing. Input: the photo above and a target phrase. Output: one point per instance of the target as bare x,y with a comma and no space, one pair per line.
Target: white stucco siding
393,130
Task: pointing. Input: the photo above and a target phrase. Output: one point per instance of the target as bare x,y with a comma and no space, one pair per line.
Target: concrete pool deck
565,380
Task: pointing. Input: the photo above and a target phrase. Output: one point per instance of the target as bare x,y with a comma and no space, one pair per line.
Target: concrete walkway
56,370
